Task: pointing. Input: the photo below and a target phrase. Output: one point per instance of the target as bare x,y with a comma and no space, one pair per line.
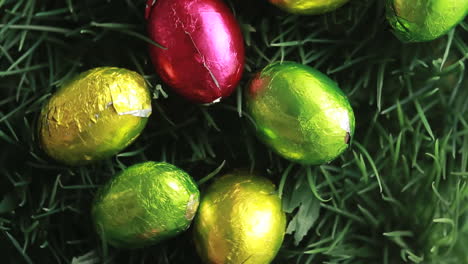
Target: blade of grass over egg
211,174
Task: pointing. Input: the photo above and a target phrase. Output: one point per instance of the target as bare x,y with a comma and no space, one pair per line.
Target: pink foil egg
203,57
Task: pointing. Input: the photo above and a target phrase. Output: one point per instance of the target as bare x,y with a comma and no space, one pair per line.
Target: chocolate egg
240,220
424,20
308,7
203,54
94,116
144,204
300,113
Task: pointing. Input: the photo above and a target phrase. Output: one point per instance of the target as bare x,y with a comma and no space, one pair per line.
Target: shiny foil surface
204,56
424,20
95,115
144,204
240,220
300,113
308,7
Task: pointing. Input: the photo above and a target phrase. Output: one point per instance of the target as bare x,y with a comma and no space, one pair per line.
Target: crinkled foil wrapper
240,220
144,204
95,115
300,113
424,20
203,59
308,7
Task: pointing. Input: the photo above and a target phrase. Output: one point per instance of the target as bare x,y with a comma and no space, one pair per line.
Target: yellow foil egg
95,115
240,220
308,7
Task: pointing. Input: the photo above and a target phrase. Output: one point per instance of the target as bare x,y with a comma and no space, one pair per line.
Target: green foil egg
240,220
144,204
300,113
424,20
308,7
95,115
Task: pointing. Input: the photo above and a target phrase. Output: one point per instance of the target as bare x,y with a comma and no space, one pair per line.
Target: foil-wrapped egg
308,7
424,20
95,115
300,113
144,204
203,54
240,220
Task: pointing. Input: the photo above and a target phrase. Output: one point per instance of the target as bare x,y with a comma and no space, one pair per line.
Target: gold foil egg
240,220
308,7
95,115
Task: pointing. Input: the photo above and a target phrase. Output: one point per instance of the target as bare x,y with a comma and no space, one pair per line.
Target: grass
399,195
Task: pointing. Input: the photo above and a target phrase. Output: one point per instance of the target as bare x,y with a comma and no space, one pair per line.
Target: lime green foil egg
300,113
240,220
308,7
95,115
424,20
144,204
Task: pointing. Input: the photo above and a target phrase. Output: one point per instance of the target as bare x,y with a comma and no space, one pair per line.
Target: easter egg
144,204
308,7
240,220
203,54
300,113
94,116
424,20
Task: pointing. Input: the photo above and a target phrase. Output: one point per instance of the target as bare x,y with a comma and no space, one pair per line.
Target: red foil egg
203,57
